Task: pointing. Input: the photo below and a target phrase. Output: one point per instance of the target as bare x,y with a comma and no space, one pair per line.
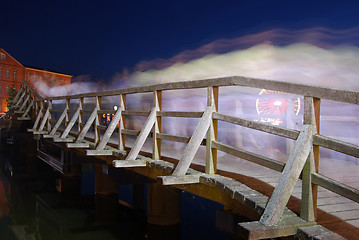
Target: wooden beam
179,180
157,126
336,145
279,131
129,163
180,114
252,157
287,227
335,186
288,87
212,133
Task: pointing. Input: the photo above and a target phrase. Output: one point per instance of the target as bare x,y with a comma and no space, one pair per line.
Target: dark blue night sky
101,38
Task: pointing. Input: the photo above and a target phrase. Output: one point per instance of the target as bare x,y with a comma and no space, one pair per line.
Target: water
31,207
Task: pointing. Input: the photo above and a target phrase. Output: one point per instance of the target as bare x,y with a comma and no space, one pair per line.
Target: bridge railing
24,102
303,160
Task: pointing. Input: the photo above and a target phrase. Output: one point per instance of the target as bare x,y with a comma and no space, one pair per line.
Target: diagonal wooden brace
143,135
111,127
71,123
193,145
289,177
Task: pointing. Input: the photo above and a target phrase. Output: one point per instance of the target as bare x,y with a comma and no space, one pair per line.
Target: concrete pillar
164,205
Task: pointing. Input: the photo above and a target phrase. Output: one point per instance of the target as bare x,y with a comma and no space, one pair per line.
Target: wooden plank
336,145
180,114
340,207
173,138
143,135
179,180
317,232
279,131
289,177
121,136
130,132
129,163
193,145
287,227
252,157
136,113
106,152
212,133
79,145
337,187
288,87
157,127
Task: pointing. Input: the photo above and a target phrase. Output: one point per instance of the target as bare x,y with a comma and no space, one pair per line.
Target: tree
12,94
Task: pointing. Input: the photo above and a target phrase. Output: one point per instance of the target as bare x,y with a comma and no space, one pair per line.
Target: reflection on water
32,208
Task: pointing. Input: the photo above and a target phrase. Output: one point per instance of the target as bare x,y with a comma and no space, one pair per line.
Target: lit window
2,56
34,78
15,74
7,73
6,90
28,76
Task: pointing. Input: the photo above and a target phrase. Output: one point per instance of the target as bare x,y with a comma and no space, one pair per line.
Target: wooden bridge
288,196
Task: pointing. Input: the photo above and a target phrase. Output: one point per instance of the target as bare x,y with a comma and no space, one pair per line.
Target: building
13,73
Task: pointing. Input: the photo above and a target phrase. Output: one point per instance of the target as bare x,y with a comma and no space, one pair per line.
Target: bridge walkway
296,181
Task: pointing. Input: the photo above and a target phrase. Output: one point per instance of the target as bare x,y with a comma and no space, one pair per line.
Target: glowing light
277,103
115,108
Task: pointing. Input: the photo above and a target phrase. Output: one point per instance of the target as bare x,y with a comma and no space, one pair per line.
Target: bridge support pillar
164,205
106,197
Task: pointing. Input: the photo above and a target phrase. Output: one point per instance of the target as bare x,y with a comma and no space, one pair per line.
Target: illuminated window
34,77
28,76
15,74
2,56
7,73
6,90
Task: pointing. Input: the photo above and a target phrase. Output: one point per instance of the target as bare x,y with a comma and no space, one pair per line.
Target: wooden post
97,121
316,103
81,116
67,118
157,103
212,134
49,118
121,135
